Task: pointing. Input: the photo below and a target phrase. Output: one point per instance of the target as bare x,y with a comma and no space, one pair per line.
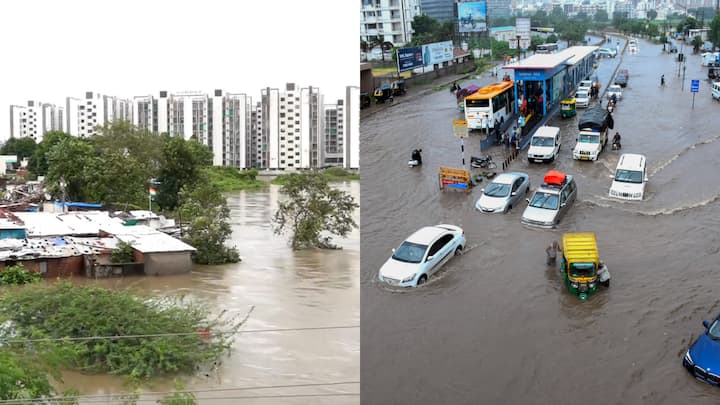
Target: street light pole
683,79
518,47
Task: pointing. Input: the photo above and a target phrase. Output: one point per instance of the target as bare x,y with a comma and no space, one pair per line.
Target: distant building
35,120
85,115
390,20
504,33
499,8
334,133
351,128
441,10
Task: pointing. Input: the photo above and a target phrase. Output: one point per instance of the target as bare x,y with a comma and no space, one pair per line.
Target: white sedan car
585,85
422,254
616,90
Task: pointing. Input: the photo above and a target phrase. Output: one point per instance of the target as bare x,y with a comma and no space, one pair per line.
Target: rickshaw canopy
580,248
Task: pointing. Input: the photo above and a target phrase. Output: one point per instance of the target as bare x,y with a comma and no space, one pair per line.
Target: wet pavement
496,325
313,288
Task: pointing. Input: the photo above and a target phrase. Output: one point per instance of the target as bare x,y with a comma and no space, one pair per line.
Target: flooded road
316,288
496,325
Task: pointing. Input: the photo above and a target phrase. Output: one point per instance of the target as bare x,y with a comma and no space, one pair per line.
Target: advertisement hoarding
437,52
472,16
409,58
522,27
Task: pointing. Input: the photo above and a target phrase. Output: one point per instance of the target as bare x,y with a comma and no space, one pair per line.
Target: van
716,91
630,177
544,144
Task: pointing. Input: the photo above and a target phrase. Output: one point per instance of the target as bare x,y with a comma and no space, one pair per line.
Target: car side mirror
429,258
563,204
528,200
482,190
393,250
611,176
645,179
706,324
575,139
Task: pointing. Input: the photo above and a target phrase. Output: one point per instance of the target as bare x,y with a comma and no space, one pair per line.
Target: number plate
538,160
584,157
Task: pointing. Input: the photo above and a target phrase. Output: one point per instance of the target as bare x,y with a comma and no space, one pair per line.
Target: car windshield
544,200
542,141
582,269
714,330
497,190
615,89
586,138
628,176
581,94
410,252
585,84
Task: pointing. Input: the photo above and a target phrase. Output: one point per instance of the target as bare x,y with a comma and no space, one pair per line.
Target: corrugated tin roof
154,242
43,224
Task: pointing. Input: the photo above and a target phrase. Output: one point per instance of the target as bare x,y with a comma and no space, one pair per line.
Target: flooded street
497,325
316,288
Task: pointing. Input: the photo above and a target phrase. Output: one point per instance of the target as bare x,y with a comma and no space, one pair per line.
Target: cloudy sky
54,49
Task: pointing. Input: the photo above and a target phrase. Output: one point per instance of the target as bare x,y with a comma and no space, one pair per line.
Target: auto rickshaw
398,87
581,266
382,93
567,108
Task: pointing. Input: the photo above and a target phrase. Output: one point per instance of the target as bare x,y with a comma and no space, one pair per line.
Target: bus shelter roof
539,61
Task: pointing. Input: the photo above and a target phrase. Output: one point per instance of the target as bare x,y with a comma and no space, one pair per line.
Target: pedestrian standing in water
551,252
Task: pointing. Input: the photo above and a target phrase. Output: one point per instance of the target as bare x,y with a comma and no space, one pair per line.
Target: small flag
153,191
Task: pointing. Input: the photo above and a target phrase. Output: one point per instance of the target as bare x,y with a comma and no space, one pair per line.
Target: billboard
409,58
472,16
437,52
522,27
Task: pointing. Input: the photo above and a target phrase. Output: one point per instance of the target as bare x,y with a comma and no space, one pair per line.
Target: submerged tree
208,228
312,206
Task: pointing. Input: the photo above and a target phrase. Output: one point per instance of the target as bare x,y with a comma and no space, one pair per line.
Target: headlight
637,195
408,279
591,285
688,358
574,284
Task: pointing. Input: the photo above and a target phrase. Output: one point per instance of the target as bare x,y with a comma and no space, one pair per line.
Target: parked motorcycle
482,162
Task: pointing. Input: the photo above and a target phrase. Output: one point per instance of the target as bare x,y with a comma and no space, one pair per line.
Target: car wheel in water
459,251
422,280
606,283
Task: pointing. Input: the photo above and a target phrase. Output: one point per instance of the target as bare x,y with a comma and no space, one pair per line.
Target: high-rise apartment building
35,120
187,115
391,20
312,140
95,110
258,146
231,129
145,113
334,116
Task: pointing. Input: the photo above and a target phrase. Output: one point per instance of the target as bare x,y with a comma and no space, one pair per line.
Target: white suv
544,144
630,177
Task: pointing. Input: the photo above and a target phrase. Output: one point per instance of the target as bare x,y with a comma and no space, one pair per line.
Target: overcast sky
54,49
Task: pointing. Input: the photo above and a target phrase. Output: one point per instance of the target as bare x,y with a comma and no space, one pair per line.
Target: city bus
546,48
489,105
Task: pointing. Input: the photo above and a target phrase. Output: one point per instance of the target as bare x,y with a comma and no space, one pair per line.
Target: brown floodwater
496,326
313,288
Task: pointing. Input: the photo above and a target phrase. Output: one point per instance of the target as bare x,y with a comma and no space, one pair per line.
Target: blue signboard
695,86
521,74
409,58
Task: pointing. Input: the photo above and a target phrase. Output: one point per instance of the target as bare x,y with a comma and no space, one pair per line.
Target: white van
630,178
716,91
544,144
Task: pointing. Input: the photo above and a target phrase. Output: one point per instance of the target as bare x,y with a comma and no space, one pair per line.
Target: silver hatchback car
505,191
550,202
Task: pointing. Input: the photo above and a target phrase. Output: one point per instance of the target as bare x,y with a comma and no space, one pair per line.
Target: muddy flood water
317,288
497,325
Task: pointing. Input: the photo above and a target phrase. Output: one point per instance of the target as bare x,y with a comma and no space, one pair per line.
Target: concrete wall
161,264
465,66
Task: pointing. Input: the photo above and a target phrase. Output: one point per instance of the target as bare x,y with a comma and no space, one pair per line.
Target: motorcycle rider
616,140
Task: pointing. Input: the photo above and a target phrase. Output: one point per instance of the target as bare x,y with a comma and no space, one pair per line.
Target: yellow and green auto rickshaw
567,108
581,266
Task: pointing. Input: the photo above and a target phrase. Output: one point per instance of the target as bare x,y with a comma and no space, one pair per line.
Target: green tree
551,39
18,275
557,13
652,31
38,163
502,21
601,16
208,224
424,25
21,147
181,164
123,253
311,207
71,160
651,15
715,31
696,43
21,377
539,19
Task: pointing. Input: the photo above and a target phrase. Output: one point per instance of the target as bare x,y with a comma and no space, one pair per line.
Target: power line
104,397
158,335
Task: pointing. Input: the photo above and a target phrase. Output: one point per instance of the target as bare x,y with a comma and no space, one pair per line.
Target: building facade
441,10
391,20
95,110
35,120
